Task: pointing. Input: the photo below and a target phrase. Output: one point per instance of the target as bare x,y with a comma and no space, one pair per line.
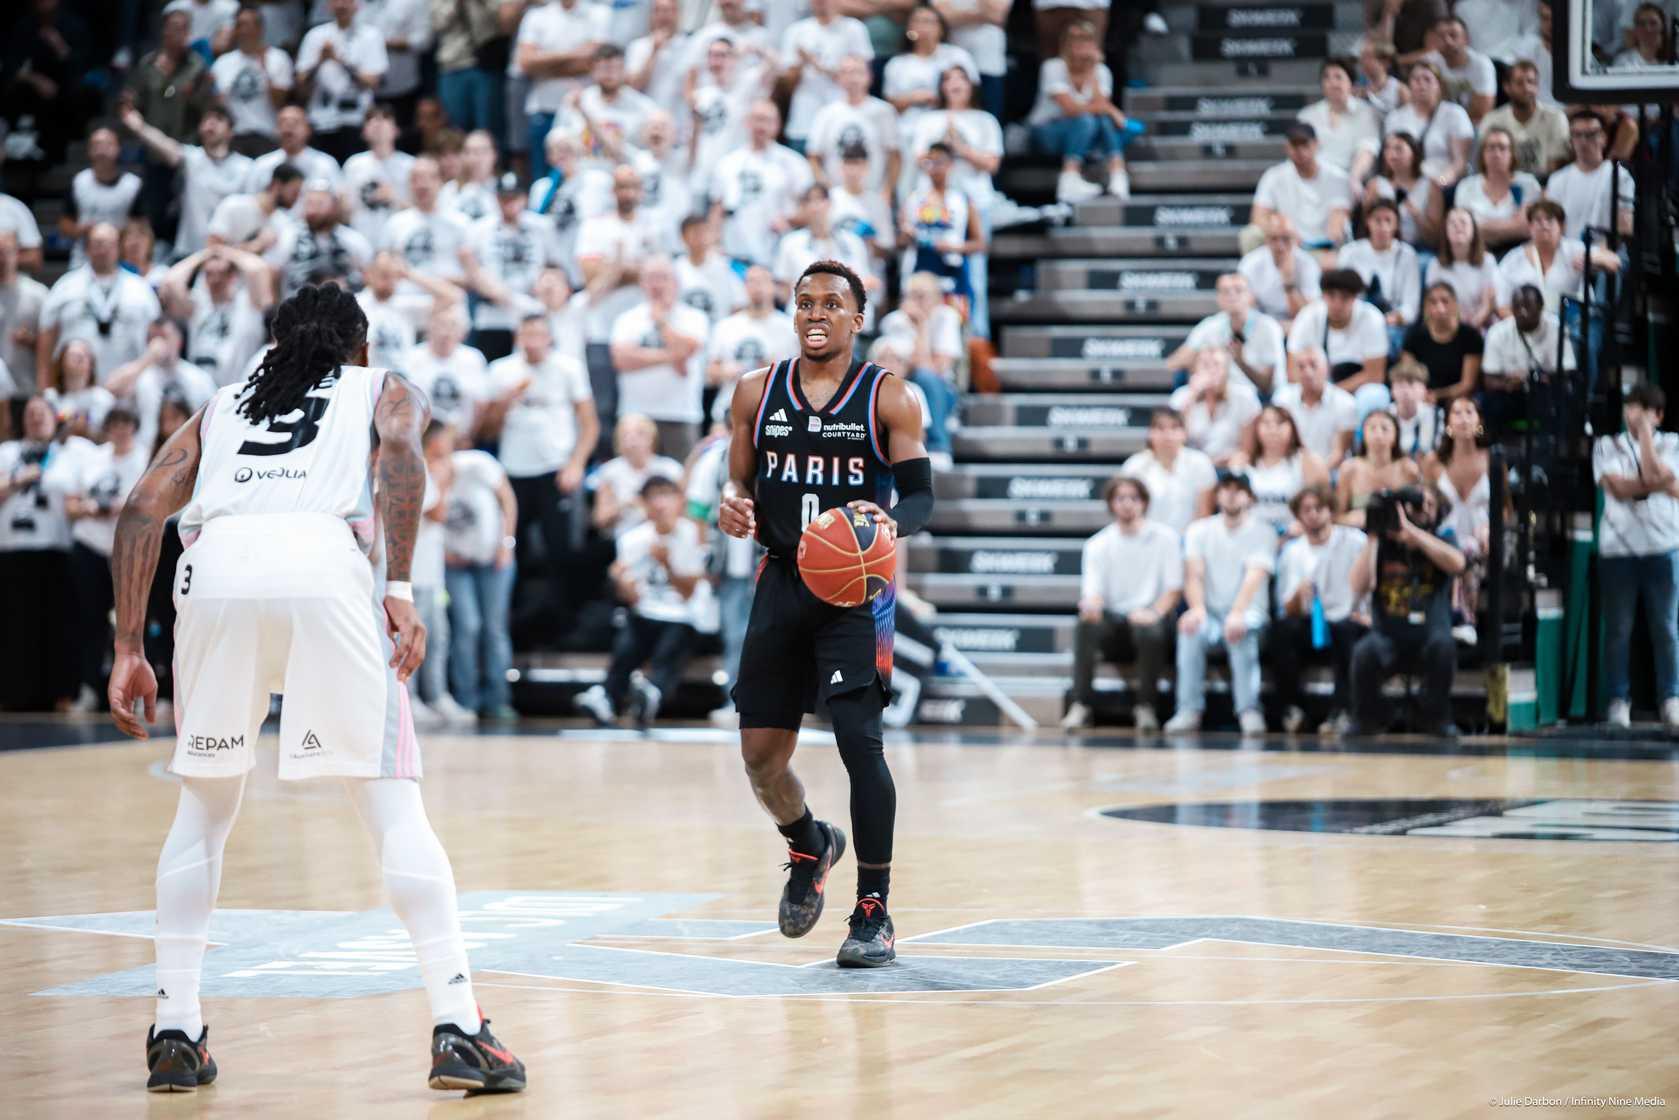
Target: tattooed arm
160,493
399,421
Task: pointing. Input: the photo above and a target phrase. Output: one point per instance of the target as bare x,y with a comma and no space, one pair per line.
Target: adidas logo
161,994
780,416
458,978
310,743
836,678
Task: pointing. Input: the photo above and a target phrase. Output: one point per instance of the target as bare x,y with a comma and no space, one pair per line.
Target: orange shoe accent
493,1052
795,855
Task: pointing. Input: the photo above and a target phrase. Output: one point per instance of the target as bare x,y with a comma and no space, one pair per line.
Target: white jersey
317,459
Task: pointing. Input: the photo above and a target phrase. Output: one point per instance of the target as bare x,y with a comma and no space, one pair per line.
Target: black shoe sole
837,840
864,963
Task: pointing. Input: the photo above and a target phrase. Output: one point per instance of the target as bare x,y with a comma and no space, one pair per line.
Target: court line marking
613,987
15,924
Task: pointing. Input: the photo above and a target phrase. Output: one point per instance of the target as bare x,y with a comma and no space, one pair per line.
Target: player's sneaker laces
177,1063
871,942
807,880
478,1063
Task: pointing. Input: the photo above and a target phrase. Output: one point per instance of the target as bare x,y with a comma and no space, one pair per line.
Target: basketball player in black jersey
821,431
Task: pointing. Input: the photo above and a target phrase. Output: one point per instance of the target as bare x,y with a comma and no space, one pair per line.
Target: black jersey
810,459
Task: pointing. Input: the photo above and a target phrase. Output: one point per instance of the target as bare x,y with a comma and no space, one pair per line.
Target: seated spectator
1640,544
1399,179
816,239
928,331
515,248
977,26
1408,574
1550,262
322,247
1179,479
1282,276
616,483
1389,268
479,543
1318,616
339,65
1379,465
1075,117
1497,193
1131,578
705,280
1315,196
1468,268
1253,339
892,352
1324,414
37,648
1596,194
1228,561
292,123
1419,420
376,178
1647,47
156,373
1348,128
454,376
1352,335
854,119
1378,84
79,403
1279,468
99,303
754,337
224,313
1458,469
755,188
428,237
862,210
911,79
1468,76
658,349
659,567
137,251
1447,347
973,136
253,222
1538,132
1443,130
1523,351
1217,409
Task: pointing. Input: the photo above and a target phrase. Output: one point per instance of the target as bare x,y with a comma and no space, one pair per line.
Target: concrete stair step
1074,374
1028,635
1115,241
1042,484
1167,213
1239,140
1100,345
1135,275
1234,76
1038,443
959,591
992,557
1103,307
1195,126
1028,182
1060,410
1203,102
982,515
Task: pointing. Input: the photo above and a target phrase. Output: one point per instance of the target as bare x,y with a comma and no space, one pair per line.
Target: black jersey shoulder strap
778,372
878,437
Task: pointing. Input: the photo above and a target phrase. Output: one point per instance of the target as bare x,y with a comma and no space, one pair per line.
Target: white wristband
400,589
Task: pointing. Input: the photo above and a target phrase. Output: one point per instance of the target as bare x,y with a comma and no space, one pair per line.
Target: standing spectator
339,65
170,87
137,251
471,55
941,232
656,61
254,221
612,249
1131,578
1468,76
1554,264
1496,195
854,119
1253,339
1314,573
1228,561
571,195
99,303
816,239
321,247
911,80
99,192
224,313
1075,117
1179,479
733,560
1378,466
862,210
1538,132
719,97
555,49
659,567
428,688
1419,420
1407,24
1465,266
1399,178
376,178
515,248
756,189
616,484
1352,335
78,401
1348,129
1217,409
1442,128
1595,193
1639,550
210,170
1458,468
1447,347
428,237
1496,25
813,50
976,26
741,28
21,303
155,374
1389,268
405,28
16,219
705,280
608,109
1282,276
973,136
295,134
453,376
754,337
473,193
45,64
658,348
37,650
665,193
479,543
1324,414
1316,196
254,80
390,333
1408,574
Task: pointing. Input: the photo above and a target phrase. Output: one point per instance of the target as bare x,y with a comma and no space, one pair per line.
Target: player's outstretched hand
737,516
132,679
408,633
875,514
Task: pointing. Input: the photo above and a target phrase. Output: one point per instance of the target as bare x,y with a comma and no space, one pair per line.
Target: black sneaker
870,944
177,1063
478,1063
807,878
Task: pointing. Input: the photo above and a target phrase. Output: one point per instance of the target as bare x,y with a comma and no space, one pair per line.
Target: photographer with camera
1407,567
1638,548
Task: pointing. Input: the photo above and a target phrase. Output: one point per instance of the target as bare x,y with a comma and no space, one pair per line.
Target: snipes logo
279,474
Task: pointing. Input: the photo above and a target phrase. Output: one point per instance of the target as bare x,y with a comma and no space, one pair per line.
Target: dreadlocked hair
315,331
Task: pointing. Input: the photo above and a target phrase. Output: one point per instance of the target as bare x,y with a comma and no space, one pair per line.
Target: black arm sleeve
914,479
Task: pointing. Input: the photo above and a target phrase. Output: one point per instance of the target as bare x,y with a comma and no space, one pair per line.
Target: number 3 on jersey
810,508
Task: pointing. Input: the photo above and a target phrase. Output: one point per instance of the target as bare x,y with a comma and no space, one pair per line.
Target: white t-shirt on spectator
1342,138
475,528
798,249
514,256
1472,196
1363,338
1511,351
240,218
1308,201
1320,425
662,392
944,333
21,303
1645,527
1410,225
84,407
1130,571
455,384
838,124
540,432
1217,434
1450,122
1468,281
311,162
91,201
1476,77
610,237
301,253
754,188
1173,495
554,27
1228,555
1262,340
33,517
205,182
222,337
719,116
96,471
750,342
664,85
656,597
1328,566
627,112
187,381
842,37
1054,79
390,331
979,130
1266,281
472,201
566,208
986,42
1565,277
364,173
244,84
1585,196
407,20
1421,433
15,216
430,243
908,72
625,480
426,569
712,288
1396,268
81,301
338,99
1496,25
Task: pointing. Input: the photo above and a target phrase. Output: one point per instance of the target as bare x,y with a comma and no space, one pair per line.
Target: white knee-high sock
422,888
189,873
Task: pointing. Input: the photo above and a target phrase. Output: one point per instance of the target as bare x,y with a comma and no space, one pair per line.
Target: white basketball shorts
285,603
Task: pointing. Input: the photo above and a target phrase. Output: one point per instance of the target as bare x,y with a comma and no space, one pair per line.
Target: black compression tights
874,799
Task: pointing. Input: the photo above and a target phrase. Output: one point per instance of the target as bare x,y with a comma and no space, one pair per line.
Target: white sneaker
1119,185
1146,721
1252,722
1155,24
88,701
725,717
1077,717
1293,719
597,705
1620,713
1184,723
1466,635
424,716
452,713
1670,713
1073,187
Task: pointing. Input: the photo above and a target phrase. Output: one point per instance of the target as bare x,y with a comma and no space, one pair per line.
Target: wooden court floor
620,897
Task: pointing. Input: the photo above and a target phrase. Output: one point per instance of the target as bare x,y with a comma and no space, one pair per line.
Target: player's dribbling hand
132,679
737,517
408,634
875,514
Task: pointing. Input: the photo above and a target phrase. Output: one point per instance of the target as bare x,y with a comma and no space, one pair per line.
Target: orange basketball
844,559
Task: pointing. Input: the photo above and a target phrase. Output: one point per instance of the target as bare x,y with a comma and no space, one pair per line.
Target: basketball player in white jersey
302,490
